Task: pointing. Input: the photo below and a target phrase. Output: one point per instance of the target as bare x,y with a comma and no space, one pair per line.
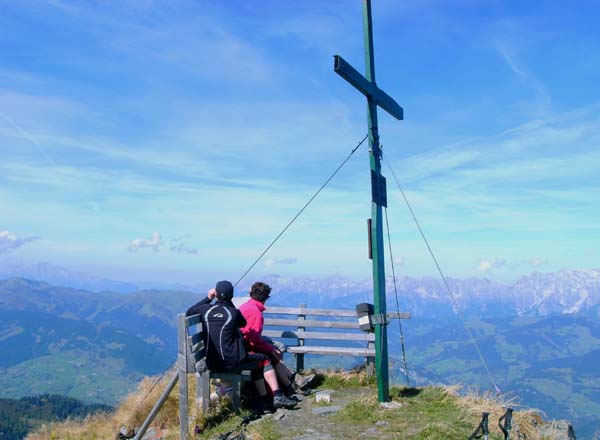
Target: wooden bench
190,360
301,322
343,324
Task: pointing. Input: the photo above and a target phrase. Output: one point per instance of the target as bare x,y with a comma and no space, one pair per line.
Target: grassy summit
354,413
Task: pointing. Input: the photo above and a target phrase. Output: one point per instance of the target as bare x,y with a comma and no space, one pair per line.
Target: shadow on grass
318,380
409,392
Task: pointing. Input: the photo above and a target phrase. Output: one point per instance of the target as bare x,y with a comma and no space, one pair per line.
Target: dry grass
339,379
427,413
133,410
525,421
131,413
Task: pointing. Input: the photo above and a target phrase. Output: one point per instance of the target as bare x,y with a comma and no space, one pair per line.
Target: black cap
224,290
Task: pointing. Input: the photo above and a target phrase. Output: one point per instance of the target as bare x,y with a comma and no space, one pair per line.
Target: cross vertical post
375,97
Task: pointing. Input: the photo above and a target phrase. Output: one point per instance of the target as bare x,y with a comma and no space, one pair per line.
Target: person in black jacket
224,344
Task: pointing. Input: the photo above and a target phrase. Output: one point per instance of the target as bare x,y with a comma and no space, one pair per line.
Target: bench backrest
302,318
298,323
302,324
190,343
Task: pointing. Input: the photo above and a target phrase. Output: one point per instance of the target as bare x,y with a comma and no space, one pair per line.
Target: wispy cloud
537,262
507,51
154,243
28,136
240,114
179,246
271,262
487,265
9,241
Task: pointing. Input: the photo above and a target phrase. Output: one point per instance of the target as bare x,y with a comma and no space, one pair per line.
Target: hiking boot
283,402
303,381
289,390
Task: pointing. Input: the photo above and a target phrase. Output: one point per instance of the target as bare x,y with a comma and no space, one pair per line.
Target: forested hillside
18,417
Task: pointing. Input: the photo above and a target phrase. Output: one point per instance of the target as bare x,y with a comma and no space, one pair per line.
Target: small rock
326,409
278,416
558,430
382,423
390,405
323,396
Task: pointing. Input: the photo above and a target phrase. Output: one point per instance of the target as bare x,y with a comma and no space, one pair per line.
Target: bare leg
271,379
283,374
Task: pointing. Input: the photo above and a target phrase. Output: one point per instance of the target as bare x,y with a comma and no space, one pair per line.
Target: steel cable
445,281
301,211
387,225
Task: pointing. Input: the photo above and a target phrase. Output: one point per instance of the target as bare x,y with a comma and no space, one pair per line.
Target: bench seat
342,351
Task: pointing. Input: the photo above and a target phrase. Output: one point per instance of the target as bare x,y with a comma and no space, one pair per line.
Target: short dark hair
260,291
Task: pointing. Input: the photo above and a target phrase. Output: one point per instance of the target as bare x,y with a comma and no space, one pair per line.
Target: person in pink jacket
255,342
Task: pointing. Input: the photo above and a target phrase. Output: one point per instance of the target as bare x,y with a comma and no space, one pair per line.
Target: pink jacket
252,332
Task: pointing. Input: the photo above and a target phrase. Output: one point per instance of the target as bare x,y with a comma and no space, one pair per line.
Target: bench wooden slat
326,312
193,320
199,355
307,349
200,365
310,312
195,342
310,323
286,334
401,315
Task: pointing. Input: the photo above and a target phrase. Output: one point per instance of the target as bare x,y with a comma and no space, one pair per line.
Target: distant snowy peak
59,276
569,291
538,294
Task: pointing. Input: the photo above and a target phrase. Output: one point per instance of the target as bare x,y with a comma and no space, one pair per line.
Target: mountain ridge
534,346
535,294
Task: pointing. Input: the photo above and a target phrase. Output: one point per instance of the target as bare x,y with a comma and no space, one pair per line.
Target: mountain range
539,335
537,294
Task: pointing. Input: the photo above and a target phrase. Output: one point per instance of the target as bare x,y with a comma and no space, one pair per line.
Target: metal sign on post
375,97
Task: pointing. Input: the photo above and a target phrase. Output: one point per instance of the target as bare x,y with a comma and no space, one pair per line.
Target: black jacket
221,323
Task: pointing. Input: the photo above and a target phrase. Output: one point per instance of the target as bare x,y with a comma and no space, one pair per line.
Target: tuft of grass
133,410
363,411
525,421
266,429
337,380
430,413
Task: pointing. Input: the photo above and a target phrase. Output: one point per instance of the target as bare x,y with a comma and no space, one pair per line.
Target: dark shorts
278,346
254,362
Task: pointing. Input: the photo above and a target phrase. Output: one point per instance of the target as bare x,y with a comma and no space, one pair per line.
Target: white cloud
178,245
537,262
488,264
155,243
9,241
400,261
277,261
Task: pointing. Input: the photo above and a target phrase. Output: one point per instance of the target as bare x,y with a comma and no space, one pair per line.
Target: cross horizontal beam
367,88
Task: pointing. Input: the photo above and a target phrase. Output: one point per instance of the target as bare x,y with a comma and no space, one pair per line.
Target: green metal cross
375,97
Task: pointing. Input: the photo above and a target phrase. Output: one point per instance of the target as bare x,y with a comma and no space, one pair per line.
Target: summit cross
375,97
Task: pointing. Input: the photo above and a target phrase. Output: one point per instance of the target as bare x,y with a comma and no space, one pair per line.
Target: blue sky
171,141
